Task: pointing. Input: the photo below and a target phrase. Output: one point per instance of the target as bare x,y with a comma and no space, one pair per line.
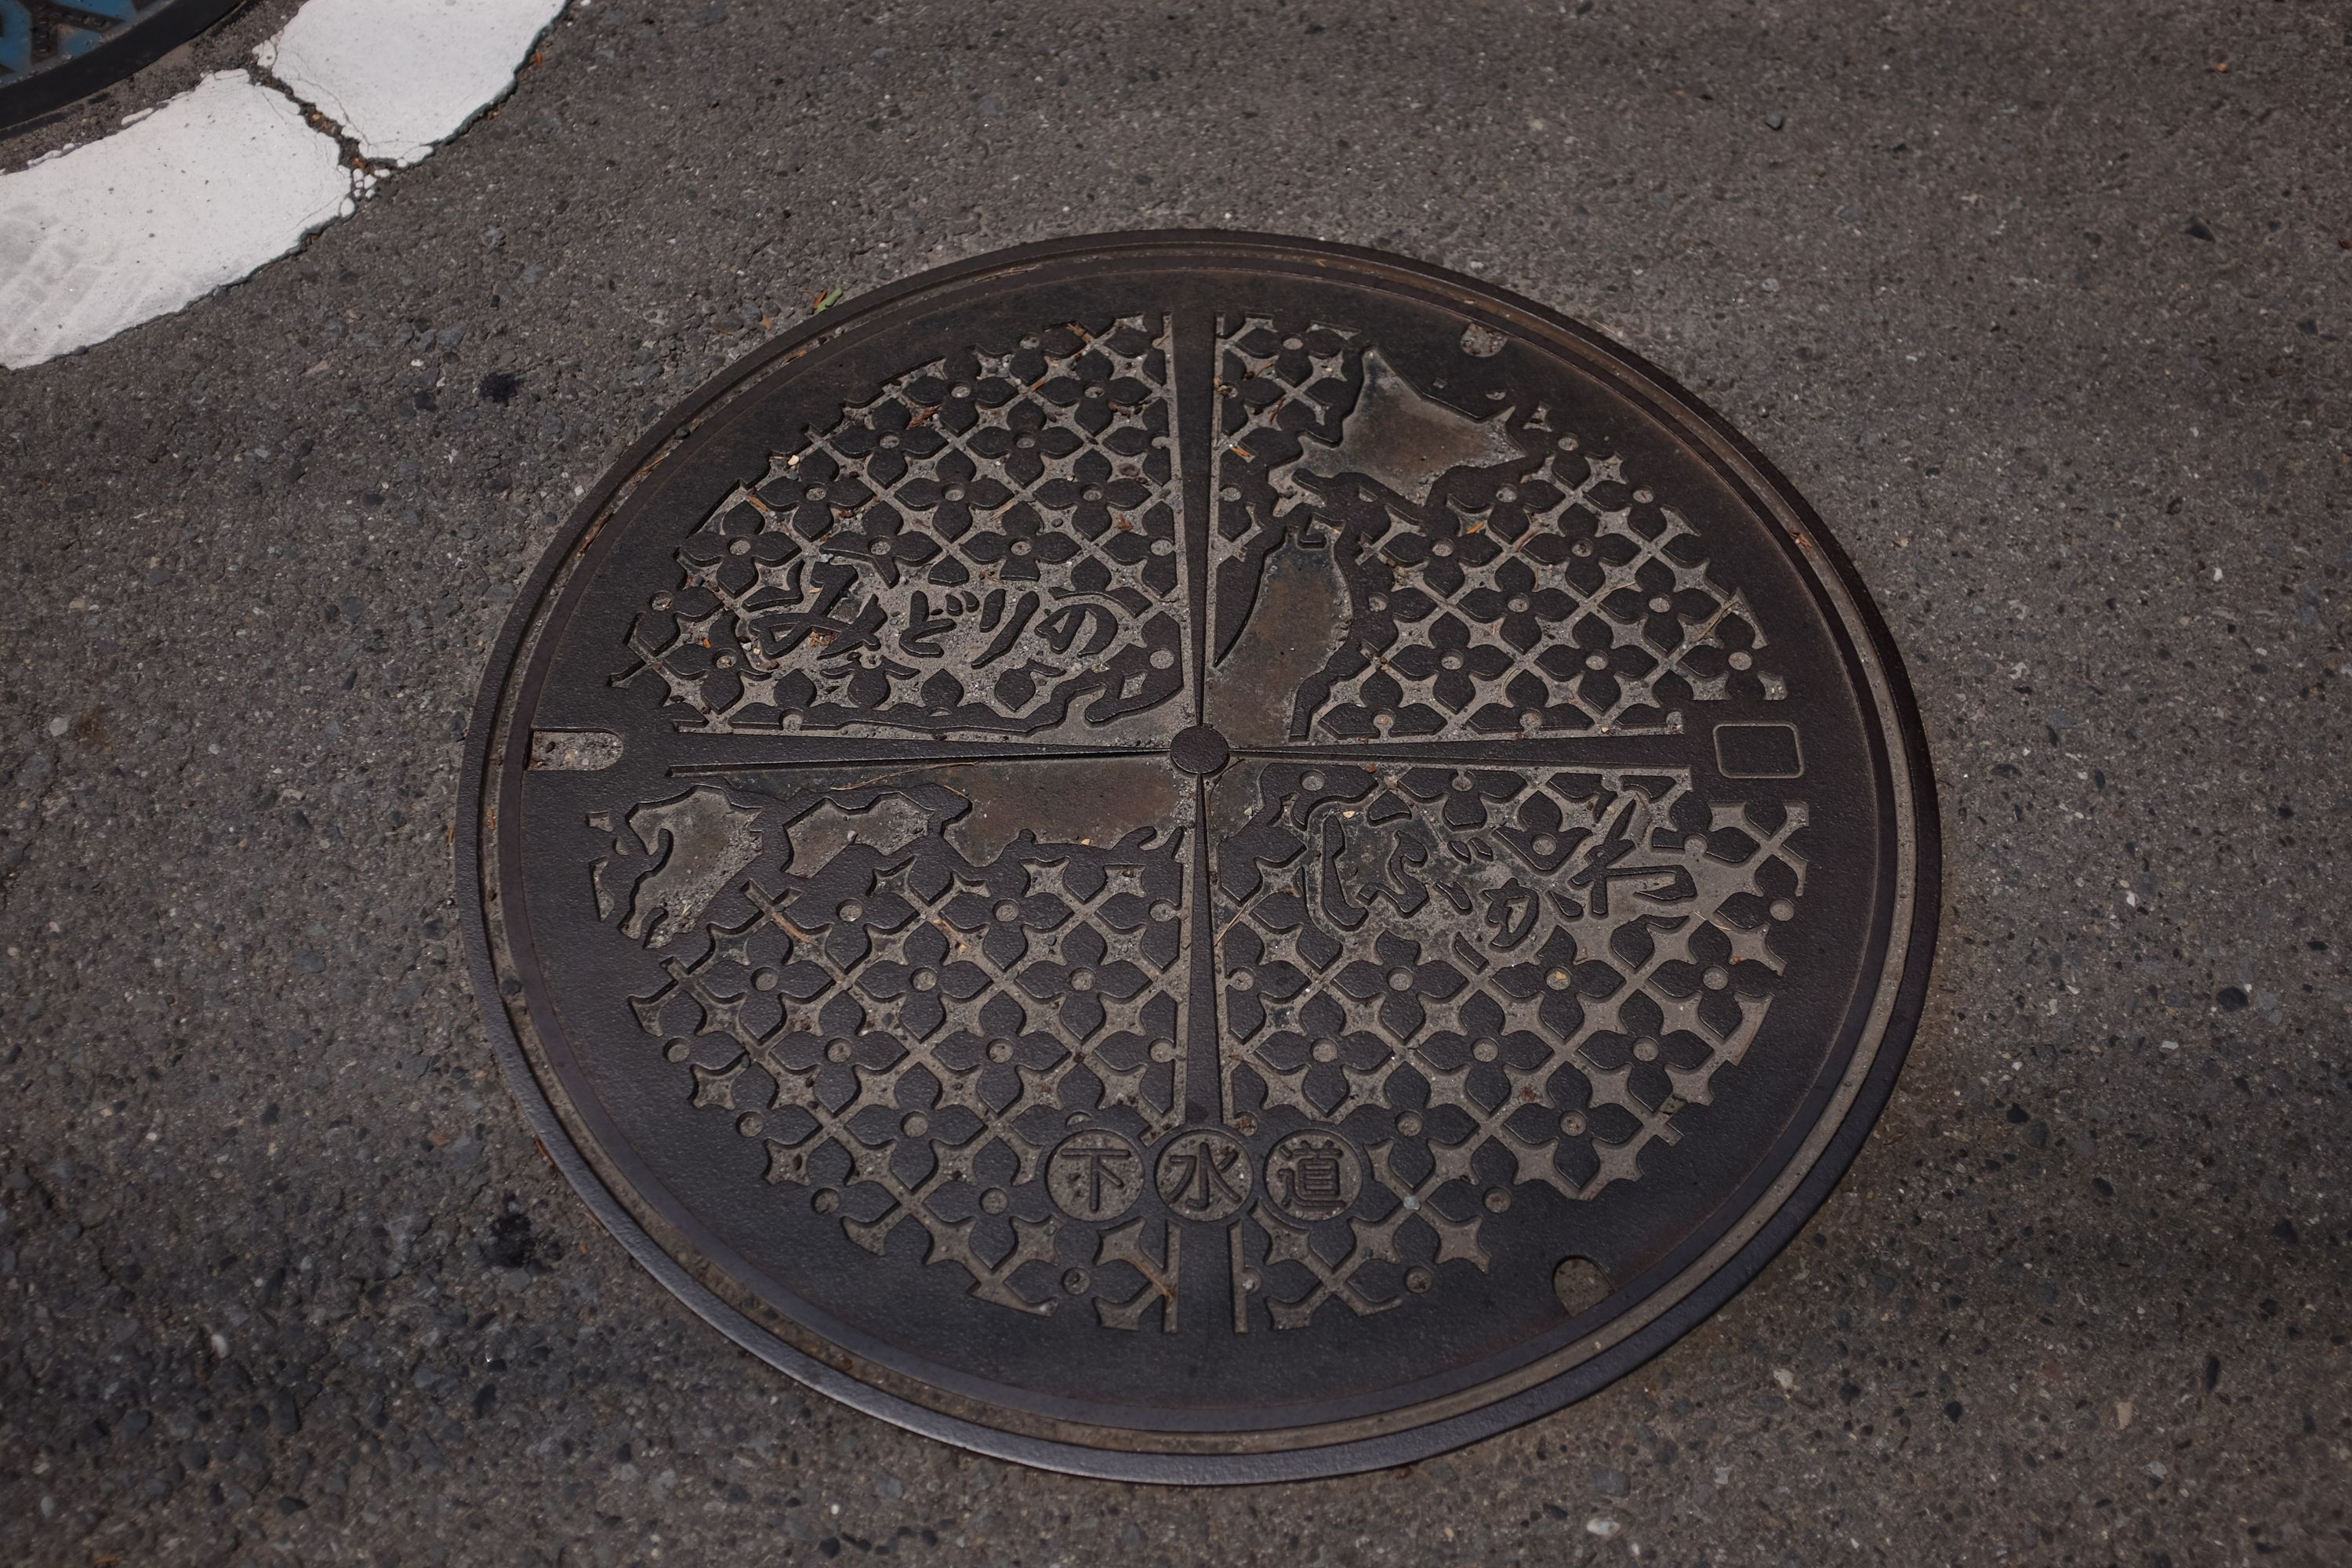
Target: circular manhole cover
1200,858
53,52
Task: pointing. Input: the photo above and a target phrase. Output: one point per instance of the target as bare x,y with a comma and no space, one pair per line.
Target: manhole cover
53,52
1200,858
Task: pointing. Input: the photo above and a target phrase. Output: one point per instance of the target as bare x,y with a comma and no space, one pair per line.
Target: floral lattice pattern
985,545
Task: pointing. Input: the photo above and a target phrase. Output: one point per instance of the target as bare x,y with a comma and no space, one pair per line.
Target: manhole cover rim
121,55
1397,1436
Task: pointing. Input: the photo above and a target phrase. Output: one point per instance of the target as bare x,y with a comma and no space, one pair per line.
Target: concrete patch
210,186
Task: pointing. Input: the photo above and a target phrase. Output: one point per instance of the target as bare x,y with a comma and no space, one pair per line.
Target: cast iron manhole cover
1200,858
53,52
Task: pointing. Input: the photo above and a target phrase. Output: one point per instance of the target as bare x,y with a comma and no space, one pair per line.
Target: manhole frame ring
54,90
1902,1003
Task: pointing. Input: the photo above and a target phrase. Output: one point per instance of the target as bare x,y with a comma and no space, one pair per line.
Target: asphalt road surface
2044,308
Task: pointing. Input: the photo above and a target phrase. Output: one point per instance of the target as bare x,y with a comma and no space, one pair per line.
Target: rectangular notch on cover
1758,751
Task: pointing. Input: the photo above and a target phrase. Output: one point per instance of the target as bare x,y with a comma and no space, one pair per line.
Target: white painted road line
401,75
215,183
229,176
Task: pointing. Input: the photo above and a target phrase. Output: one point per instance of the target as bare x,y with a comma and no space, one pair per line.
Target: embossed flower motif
946,494
916,1115
961,494
1574,1122
1323,1037
1453,659
1655,604
1718,980
995,1056
1020,447
837,1054
1019,544
1573,550
884,542
1429,558
817,493
1528,706
1322,1053
1644,1057
1133,531
919,977
1004,922
1083,976
1087,491
1398,981
851,923
1252,980
1596,667
1484,1047
1383,712
887,544
1514,607
1553,978
880,447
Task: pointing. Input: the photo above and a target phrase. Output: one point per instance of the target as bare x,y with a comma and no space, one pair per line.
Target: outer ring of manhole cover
1199,858
72,51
